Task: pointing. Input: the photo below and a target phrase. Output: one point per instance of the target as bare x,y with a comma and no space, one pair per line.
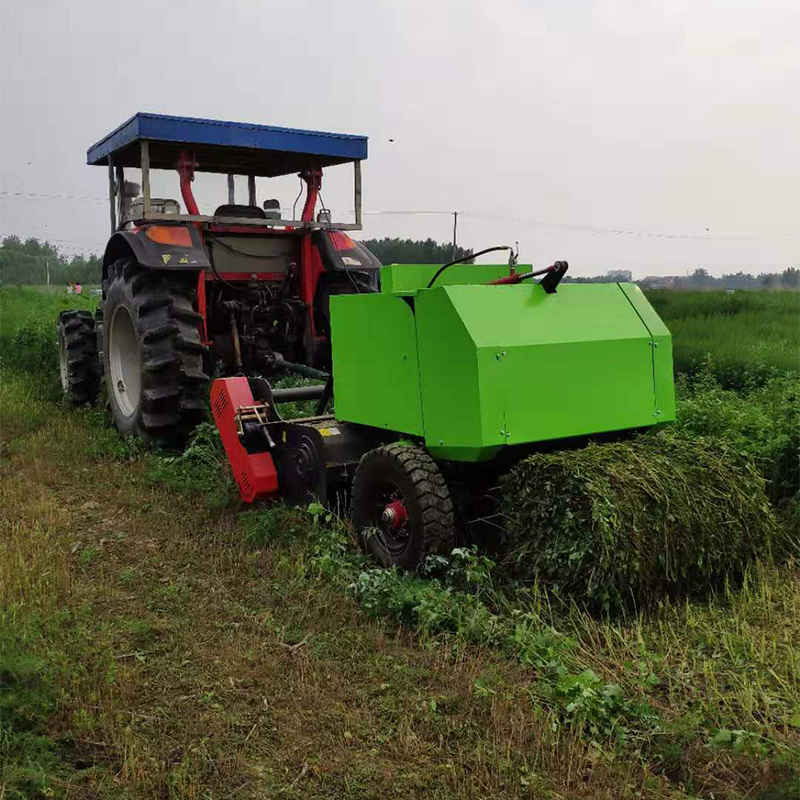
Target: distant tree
790,278
410,251
29,262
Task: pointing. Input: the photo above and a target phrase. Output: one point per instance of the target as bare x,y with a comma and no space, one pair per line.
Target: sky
615,134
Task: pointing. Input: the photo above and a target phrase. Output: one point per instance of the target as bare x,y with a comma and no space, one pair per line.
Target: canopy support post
112,199
145,163
251,189
120,184
357,191
231,191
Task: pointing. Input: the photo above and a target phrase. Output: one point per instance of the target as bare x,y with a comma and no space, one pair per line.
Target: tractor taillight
168,234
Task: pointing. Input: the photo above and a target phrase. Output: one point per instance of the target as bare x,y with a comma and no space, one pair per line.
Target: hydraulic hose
466,258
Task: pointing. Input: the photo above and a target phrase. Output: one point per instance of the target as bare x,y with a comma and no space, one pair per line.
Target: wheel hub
63,364
124,362
395,515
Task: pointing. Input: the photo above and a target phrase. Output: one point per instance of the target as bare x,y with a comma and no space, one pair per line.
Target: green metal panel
662,351
408,278
474,367
375,369
524,366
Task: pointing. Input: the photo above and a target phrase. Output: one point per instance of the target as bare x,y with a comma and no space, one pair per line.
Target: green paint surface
376,375
472,367
408,278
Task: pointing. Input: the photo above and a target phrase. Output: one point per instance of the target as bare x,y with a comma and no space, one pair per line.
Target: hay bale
622,524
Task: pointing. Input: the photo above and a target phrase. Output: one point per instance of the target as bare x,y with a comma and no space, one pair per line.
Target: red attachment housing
255,473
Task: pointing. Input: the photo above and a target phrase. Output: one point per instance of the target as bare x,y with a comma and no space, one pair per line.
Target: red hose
185,167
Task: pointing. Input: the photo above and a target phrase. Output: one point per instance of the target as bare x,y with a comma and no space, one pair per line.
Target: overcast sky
651,136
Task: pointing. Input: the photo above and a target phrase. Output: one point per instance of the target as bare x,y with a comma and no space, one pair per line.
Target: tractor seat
240,211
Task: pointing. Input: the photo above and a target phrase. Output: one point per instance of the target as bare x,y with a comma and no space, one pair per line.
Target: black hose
465,258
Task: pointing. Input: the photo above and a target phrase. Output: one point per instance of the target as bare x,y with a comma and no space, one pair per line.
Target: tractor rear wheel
401,506
77,357
152,353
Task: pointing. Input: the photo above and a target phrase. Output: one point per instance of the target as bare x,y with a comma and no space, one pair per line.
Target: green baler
469,367
441,381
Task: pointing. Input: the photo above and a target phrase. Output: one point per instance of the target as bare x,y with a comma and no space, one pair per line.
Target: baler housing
471,367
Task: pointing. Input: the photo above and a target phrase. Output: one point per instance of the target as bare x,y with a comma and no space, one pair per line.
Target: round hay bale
619,525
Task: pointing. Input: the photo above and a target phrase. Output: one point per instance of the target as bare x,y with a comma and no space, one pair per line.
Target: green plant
202,468
761,422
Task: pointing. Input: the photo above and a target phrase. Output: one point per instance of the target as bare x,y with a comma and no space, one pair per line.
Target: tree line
31,261
411,251
702,280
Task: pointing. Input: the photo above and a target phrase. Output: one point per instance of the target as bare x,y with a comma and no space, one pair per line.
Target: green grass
27,330
745,336
156,640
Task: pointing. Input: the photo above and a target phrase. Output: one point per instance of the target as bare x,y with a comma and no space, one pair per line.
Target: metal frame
116,192
249,221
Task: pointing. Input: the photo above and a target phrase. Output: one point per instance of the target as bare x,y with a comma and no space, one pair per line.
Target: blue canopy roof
228,147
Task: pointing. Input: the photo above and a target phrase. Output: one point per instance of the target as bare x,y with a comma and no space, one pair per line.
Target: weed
761,422
202,468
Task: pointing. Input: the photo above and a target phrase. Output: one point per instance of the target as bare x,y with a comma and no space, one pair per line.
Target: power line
622,230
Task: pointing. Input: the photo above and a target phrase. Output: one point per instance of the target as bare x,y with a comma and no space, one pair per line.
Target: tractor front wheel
77,357
401,506
152,353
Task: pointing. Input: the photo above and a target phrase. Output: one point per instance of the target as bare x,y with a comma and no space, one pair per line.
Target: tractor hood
474,367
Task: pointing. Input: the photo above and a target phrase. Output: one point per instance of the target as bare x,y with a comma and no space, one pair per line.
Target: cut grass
622,524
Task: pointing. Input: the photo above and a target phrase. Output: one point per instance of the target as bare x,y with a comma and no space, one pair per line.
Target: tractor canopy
471,367
233,148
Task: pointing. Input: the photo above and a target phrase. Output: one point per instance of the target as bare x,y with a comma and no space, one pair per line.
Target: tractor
429,381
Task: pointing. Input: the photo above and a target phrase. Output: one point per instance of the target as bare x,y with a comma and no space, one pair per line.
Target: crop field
159,640
744,335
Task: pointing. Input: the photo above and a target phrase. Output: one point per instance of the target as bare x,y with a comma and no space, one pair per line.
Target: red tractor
187,296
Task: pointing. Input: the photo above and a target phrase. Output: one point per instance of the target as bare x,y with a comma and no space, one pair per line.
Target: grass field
745,336
159,641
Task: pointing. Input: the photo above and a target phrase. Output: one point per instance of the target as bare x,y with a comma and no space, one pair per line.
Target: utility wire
530,221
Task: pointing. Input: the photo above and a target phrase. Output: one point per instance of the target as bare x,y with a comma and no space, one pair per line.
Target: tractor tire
401,506
153,354
99,336
77,356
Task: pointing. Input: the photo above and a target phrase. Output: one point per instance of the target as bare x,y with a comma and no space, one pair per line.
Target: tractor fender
155,255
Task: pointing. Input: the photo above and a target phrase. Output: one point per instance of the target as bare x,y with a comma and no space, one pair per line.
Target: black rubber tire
79,366
169,353
408,473
99,334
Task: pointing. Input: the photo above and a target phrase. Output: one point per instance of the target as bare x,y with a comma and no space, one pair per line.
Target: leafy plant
202,467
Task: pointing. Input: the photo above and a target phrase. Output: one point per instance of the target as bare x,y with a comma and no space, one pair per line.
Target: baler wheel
79,367
153,353
401,506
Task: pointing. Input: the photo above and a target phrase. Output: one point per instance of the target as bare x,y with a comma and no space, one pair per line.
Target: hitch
552,277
